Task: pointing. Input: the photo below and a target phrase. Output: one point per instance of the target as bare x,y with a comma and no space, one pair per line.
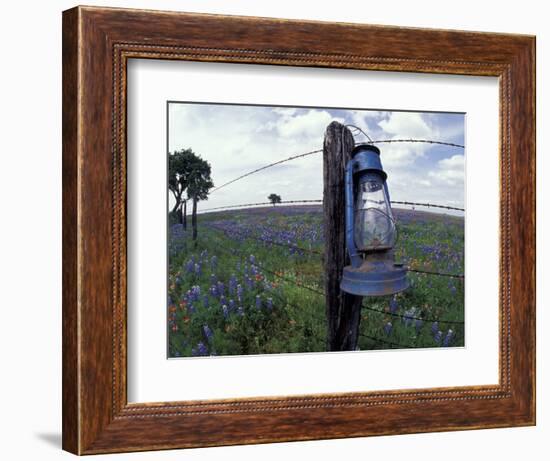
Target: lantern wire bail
358,129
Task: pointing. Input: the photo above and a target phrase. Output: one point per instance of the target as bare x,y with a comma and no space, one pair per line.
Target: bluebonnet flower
225,311
448,338
205,300
252,259
435,328
240,311
195,292
240,293
207,332
232,284
191,308
213,262
437,336
198,269
393,305
258,302
201,349
270,303
408,317
418,325
220,288
223,300
189,266
231,305
388,328
213,279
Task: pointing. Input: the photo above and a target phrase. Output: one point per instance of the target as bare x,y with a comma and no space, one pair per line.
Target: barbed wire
277,273
442,274
274,242
412,317
292,157
392,344
384,341
319,253
305,154
261,204
360,131
427,141
285,202
322,293
429,205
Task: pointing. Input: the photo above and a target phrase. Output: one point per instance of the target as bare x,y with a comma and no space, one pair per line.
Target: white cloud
450,170
238,139
407,125
311,124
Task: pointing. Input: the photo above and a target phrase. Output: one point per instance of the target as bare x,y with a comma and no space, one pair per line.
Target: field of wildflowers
253,284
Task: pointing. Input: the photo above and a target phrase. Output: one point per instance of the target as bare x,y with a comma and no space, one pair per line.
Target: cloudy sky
236,139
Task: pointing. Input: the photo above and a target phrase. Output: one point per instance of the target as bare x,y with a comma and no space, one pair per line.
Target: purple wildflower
258,302
388,328
220,288
437,336
207,332
201,349
232,284
448,338
393,305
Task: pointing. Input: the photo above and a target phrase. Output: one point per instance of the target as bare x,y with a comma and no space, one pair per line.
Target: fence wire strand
322,293
305,154
289,202
265,167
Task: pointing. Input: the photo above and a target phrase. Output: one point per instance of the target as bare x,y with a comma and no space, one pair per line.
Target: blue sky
238,138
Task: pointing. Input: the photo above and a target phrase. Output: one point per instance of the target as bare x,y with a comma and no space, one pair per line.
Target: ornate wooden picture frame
97,44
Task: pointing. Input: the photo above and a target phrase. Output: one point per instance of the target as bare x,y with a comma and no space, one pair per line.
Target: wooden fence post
343,310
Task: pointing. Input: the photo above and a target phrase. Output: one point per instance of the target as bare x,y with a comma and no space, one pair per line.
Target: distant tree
179,168
274,199
199,183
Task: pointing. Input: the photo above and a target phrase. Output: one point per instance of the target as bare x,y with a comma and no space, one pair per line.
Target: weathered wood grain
343,310
97,42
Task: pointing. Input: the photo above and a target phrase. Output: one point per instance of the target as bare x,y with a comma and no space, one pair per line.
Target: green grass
281,308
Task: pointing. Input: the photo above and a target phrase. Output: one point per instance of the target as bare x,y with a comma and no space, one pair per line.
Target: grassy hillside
254,285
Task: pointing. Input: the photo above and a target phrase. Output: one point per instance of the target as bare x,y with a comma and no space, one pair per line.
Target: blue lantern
370,228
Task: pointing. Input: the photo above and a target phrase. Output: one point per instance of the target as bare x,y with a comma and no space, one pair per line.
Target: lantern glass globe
374,224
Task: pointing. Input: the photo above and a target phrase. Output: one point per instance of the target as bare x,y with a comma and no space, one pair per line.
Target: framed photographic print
273,235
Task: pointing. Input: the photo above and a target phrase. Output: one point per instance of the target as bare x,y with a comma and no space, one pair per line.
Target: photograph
247,260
